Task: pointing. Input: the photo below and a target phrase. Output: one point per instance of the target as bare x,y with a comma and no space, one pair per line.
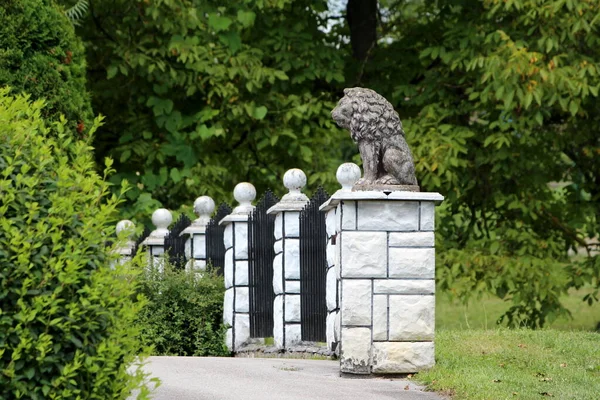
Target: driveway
187,378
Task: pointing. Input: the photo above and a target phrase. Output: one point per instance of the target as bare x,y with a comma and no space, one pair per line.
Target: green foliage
66,318
500,104
40,55
184,315
202,95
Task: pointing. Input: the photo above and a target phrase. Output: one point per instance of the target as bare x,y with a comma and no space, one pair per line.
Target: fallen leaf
545,379
406,387
497,380
501,364
409,376
539,374
522,346
563,365
547,394
515,393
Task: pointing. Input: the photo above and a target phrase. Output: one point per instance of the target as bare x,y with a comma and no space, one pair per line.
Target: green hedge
41,56
184,315
66,319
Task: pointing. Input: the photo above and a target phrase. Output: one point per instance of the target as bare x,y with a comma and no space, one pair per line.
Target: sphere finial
244,193
294,180
162,218
347,175
125,225
204,206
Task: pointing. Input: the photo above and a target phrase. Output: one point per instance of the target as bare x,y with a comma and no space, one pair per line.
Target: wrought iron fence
260,266
313,269
175,244
215,249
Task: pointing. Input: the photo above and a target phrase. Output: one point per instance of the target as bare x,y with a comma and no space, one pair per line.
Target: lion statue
376,128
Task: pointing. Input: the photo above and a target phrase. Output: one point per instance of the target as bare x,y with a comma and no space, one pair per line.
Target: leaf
246,18
232,40
494,247
573,107
175,175
111,71
259,112
219,23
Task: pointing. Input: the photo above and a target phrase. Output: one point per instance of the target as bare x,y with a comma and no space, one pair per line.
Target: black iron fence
215,249
313,269
260,267
138,243
175,243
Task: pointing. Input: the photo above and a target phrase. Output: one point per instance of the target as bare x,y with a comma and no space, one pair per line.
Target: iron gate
313,269
260,266
215,249
175,243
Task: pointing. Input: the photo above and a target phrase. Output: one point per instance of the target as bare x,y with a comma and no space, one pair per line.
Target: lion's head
367,115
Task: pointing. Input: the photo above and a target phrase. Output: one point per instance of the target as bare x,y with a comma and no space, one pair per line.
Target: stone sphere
294,180
244,193
124,225
204,205
162,218
347,174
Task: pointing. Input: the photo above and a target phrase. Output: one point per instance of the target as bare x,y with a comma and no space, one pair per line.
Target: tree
500,101
41,55
200,95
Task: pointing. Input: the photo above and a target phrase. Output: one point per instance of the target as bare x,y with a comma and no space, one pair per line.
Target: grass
515,364
483,313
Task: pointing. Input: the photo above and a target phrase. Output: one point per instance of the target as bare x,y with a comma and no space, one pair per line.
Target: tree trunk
362,20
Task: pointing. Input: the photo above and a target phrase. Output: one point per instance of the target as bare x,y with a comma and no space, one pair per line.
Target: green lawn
515,364
476,359
483,313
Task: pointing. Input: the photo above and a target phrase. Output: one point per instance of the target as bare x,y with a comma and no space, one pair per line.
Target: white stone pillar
236,305
385,244
195,245
347,175
286,264
155,242
125,230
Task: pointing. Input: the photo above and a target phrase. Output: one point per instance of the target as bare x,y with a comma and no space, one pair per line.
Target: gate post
286,264
236,305
155,242
126,249
195,245
386,259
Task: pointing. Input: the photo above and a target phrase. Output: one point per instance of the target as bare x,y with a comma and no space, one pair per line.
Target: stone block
388,215
380,317
412,317
292,308
348,221
338,218
291,221
402,357
278,321
199,246
427,216
187,250
242,330
356,302
293,334
277,274
292,286
229,339
241,273
355,357
412,263
404,286
228,269
331,290
242,299
412,239
330,222
241,240
228,236
195,265
278,230
291,251
278,246
337,327
330,253
228,307
329,330
364,254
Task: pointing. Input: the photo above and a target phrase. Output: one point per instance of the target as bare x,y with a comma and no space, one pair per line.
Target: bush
41,56
184,314
66,318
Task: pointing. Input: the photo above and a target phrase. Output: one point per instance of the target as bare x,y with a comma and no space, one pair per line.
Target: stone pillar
385,245
125,230
347,175
286,264
155,242
195,245
236,305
